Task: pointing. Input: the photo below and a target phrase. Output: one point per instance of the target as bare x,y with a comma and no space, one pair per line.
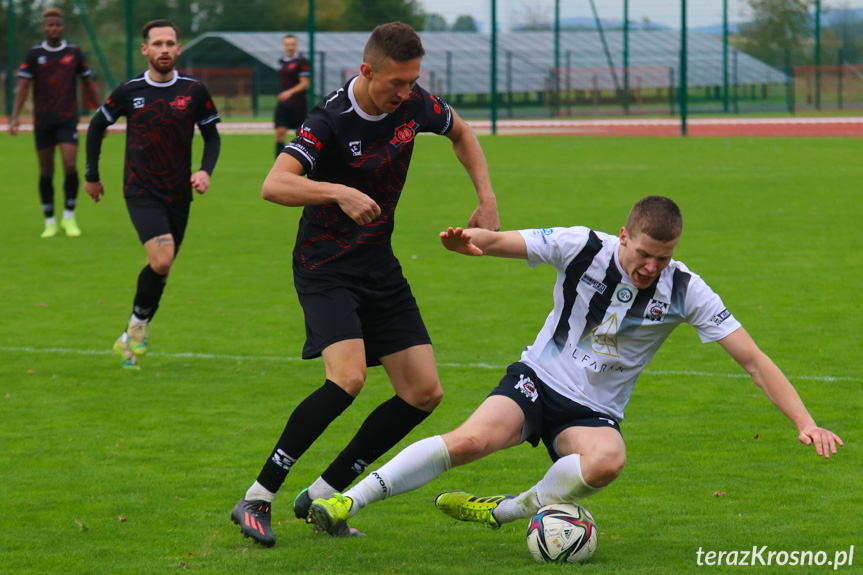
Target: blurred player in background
51,67
356,147
616,300
291,109
162,108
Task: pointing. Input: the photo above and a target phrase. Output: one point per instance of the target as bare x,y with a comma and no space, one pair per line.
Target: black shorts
289,116
49,135
546,412
378,308
153,217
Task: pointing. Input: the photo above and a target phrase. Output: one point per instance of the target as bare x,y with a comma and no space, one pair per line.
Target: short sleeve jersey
340,143
603,331
53,72
161,118
290,71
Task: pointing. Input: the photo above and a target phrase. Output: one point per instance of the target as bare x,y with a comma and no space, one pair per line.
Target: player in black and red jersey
355,147
162,108
291,109
52,67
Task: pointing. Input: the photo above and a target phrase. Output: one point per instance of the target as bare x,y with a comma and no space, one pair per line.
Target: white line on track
289,359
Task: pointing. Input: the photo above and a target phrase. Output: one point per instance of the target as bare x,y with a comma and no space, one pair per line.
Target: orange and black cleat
253,517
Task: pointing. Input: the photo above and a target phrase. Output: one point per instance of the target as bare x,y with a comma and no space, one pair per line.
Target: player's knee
464,448
427,398
161,263
603,467
352,382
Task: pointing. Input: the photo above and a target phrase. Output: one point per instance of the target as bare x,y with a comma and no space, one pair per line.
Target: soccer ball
562,533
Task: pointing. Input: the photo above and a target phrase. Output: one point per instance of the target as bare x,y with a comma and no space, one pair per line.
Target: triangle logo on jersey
603,338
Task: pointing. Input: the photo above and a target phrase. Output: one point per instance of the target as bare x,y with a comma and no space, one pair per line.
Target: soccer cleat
70,226
137,337
466,507
331,515
121,348
302,504
50,231
253,517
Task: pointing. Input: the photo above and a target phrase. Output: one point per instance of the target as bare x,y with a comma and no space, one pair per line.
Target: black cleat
253,517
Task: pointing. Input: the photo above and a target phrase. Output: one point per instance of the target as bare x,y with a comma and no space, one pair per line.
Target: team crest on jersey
656,310
527,387
356,148
181,102
404,133
67,59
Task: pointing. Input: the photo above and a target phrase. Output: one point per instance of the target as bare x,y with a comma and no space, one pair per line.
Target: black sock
46,194
388,424
150,288
279,147
70,187
308,421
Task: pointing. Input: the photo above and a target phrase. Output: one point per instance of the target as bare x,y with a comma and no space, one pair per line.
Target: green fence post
626,57
556,76
130,33
311,100
10,57
817,54
683,85
725,55
95,40
493,67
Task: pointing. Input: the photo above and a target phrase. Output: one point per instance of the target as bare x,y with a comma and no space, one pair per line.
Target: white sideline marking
289,359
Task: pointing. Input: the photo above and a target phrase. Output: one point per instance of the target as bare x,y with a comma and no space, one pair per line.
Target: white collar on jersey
152,82
357,108
50,48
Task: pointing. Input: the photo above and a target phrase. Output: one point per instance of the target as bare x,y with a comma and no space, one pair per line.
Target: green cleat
137,337
466,507
121,348
331,515
70,226
50,231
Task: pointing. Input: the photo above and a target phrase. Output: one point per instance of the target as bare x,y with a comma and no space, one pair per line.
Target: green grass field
108,471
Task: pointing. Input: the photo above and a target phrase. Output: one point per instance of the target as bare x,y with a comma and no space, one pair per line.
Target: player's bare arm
766,375
468,151
20,97
286,186
479,242
301,86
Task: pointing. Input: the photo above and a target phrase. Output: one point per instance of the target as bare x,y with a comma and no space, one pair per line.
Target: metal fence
494,59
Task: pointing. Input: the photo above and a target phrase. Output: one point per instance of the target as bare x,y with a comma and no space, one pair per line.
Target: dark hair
52,12
394,41
289,36
158,24
656,216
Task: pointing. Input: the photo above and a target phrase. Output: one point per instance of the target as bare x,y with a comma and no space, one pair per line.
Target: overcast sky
667,12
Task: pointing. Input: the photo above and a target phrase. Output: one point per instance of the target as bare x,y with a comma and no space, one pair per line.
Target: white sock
51,221
414,466
137,319
562,483
258,491
68,214
320,489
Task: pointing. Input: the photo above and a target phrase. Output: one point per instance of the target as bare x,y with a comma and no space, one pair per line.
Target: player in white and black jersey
616,300
356,147
162,109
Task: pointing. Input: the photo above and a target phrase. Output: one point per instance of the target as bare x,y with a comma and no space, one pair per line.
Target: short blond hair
52,12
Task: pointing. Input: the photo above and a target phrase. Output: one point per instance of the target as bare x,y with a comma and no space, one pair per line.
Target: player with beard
51,67
355,147
162,108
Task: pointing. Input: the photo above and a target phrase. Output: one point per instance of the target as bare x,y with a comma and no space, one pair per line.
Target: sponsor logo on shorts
721,317
594,283
656,310
527,387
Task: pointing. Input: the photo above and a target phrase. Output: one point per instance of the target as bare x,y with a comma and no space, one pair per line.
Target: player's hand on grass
201,181
95,190
458,240
358,206
824,440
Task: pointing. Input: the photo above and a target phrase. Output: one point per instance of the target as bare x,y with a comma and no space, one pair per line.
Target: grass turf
108,471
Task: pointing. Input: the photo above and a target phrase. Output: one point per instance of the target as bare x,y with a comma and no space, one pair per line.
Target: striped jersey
603,331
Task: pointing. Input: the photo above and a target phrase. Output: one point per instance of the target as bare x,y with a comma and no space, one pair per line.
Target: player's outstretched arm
481,242
286,186
468,151
779,390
